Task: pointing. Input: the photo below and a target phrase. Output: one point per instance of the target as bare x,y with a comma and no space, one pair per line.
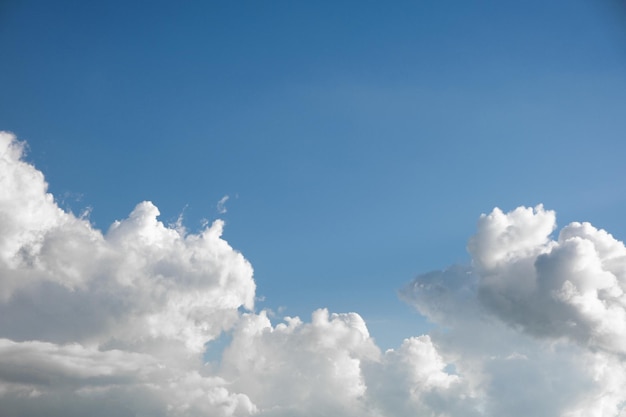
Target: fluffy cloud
117,323
121,318
536,323
96,323
570,287
331,366
305,369
413,380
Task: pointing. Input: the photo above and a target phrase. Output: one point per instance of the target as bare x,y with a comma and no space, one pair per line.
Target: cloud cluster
537,323
331,366
117,323
91,321
571,287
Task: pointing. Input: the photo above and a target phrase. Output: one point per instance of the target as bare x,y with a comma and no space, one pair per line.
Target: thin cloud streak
221,205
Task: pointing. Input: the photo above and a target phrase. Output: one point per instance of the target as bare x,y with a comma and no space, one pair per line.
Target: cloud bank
117,323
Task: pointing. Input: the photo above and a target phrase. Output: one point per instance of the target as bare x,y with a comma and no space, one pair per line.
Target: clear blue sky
358,141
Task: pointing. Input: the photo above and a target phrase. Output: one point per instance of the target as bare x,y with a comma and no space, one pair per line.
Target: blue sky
358,141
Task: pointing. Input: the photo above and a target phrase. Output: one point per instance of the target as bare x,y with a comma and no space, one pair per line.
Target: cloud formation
117,318
569,287
537,322
117,323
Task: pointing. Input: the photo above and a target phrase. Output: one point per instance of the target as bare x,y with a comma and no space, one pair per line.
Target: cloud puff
536,323
331,366
117,323
414,380
569,287
305,369
123,315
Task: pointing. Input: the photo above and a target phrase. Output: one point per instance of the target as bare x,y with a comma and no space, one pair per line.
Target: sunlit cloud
117,322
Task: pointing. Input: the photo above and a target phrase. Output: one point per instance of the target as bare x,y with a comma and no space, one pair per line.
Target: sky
434,189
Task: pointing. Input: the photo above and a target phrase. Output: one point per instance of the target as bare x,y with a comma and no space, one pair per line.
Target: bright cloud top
572,287
117,323
537,323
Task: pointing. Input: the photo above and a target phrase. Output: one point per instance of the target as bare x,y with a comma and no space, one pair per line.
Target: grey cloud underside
116,323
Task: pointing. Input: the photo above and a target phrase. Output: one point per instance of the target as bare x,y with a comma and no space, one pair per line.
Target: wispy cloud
221,205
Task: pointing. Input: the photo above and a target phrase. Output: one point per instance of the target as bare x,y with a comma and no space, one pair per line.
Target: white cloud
331,366
121,316
413,380
572,286
116,323
536,323
119,321
221,205
39,378
299,369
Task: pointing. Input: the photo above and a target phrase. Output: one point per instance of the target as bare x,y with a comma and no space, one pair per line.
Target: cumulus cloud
121,316
331,366
95,323
569,287
414,380
117,323
536,322
306,369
